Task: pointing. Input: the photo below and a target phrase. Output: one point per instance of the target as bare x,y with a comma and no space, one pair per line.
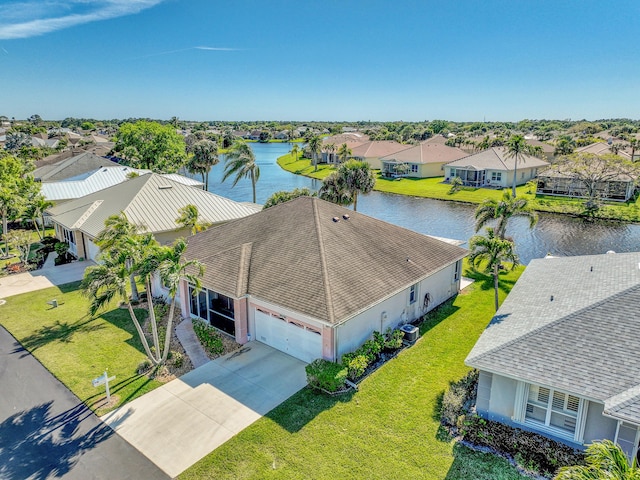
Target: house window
413,294
456,272
414,168
453,173
213,307
496,176
552,410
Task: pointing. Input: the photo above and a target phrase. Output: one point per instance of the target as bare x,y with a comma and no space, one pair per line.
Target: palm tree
564,145
119,235
502,211
358,178
34,211
205,156
171,270
330,148
295,150
241,162
517,148
604,460
344,152
493,251
634,143
189,218
335,190
315,145
108,280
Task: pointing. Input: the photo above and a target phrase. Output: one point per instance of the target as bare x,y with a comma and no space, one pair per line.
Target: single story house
559,180
604,148
150,201
493,168
104,177
561,356
71,167
372,151
314,279
420,161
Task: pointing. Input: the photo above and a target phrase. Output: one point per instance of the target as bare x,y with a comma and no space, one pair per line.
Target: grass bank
77,348
388,429
434,188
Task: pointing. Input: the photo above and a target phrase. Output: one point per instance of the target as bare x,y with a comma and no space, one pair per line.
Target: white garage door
93,250
295,340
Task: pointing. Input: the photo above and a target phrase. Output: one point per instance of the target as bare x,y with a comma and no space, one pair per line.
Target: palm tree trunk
515,176
5,227
253,185
143,339
167,338
355,201
206,182
496,272
152,319
135,296
35,225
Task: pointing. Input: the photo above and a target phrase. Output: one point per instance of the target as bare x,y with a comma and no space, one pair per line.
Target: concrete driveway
46,277
181,422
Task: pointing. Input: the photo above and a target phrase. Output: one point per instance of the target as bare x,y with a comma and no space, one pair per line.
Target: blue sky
342,60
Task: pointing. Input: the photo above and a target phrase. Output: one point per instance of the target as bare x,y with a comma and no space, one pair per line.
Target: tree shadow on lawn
38,444
486,281
58,332
304,406
120,318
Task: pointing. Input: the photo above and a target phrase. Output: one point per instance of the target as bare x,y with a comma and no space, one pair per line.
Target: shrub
209,337
177,359
380,339
456,184
458,399
393,339
143,366
369,349
531,450
326,375
356,366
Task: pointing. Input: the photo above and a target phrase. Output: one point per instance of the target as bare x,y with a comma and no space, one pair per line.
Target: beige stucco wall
598,427
503,397
430,170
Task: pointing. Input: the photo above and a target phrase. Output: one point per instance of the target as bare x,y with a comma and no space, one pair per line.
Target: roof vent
592,268
611,251
551,298
336,219
164,187
346,216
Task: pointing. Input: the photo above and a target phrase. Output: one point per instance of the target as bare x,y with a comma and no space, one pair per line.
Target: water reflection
556,234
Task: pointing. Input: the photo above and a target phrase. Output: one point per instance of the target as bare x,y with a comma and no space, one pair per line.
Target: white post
106,383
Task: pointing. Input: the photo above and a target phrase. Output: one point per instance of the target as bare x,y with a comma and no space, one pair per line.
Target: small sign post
103,379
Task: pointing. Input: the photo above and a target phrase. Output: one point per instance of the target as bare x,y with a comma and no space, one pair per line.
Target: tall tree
518,148
330,148
295,150
205,156
16,186
315,146
34,211
335,190
493,252
121,236
604,460
344,152
284,196
172,269
565,145
190,218
151,145
358,178
502,211
241,162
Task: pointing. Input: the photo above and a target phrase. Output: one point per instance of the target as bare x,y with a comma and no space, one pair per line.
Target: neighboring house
71,167
547,150
561,356
150,201
493,168
352,140
37,141
372,151
602,148
104,177
420,161
314,279
561,181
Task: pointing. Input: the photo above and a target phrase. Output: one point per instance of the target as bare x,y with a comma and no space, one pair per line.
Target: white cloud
33,17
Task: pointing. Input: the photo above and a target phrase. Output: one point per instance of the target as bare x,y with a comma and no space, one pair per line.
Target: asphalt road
46,432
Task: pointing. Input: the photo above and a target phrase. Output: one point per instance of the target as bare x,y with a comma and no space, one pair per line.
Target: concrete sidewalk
181,422
46,277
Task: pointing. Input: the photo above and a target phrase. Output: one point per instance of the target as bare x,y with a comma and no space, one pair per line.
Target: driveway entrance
181,422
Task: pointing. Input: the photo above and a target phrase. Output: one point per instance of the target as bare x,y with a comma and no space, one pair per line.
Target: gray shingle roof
584,341
495,158
294,255
72,167
151,201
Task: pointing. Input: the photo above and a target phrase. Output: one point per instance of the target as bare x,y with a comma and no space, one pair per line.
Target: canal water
554,234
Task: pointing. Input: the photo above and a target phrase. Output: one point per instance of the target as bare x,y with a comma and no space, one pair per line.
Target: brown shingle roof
301,259
377,148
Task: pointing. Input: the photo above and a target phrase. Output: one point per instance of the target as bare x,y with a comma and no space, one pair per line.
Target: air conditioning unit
411,333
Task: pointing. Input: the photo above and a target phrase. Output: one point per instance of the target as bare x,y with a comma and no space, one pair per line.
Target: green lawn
76,348
434,188
388,429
